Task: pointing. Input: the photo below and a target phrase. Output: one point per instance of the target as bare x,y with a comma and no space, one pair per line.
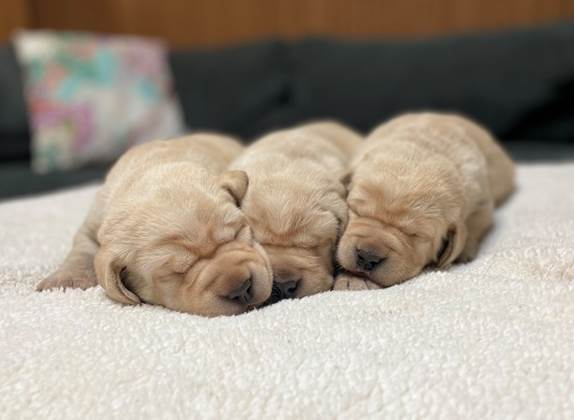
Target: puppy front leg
477,224
345,281
77,270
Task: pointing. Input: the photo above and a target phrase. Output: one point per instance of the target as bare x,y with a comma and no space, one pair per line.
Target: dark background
245,67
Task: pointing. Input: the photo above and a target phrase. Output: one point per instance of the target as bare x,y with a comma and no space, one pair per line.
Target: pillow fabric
90,97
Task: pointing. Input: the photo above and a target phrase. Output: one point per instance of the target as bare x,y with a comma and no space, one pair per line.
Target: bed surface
490,339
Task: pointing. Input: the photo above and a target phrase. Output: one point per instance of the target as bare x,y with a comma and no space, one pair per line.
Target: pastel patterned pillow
90,97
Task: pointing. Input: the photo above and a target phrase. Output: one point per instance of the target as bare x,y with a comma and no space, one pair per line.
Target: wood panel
216,22
13,16
465,15
568,7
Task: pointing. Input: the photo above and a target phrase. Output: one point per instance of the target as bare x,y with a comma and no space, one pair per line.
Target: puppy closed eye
416,234
413,235
180,270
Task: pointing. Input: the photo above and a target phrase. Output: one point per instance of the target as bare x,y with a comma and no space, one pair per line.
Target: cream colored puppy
165,229
295,203
422,191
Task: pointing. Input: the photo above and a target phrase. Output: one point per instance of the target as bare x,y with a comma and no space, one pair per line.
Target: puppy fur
295,203
422,191
165,229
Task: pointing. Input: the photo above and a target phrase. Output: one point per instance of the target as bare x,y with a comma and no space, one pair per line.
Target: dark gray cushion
242,90
17,179
14,137
519,83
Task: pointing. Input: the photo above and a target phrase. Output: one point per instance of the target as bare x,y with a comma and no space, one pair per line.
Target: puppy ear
235,183
110,271
452,245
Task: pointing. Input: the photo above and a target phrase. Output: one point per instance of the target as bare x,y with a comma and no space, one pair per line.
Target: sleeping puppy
295,203
422,191
165,229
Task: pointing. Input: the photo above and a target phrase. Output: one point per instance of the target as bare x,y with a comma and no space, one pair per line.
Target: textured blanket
489,339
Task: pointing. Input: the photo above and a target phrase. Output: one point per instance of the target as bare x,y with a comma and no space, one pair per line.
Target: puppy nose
367,260
286,289
243,293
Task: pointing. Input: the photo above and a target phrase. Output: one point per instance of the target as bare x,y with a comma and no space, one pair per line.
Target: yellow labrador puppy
295,202
422,191
165,229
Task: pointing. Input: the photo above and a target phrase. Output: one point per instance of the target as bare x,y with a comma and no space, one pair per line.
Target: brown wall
215,22
13,15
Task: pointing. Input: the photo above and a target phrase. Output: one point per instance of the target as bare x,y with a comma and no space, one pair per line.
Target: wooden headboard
219,22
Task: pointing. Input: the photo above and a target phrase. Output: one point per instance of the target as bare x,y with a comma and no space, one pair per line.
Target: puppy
422,191
295,203
165,229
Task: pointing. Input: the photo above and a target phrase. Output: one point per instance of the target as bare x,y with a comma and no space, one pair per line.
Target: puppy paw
351,282
68,279
468,253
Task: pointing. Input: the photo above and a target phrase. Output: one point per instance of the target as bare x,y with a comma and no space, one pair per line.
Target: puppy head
188,249
399,225
298,225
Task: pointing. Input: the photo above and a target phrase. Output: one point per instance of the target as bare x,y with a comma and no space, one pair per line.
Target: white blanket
490,339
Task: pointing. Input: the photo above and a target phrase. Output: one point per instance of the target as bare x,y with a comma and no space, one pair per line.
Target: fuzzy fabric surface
490,339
